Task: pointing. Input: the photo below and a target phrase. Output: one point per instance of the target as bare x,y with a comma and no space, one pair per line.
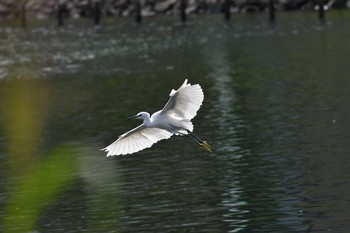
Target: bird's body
170,122
174,118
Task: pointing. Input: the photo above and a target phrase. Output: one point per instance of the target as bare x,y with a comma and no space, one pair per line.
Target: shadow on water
275,112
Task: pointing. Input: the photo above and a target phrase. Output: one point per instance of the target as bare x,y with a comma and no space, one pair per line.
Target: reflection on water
275,111
227,121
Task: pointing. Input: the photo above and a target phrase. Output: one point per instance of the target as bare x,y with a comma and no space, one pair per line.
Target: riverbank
43,9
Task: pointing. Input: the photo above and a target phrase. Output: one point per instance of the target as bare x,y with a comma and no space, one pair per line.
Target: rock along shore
42,9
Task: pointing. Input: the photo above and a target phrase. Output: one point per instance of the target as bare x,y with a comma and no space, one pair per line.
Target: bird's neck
147,120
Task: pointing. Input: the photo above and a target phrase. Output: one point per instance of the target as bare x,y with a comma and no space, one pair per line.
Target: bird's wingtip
185,83
172,92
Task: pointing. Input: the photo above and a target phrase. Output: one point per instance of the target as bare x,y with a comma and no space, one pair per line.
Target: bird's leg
193,139
205,145
200,142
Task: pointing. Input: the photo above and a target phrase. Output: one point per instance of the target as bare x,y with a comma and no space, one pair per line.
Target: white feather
136,139
184,102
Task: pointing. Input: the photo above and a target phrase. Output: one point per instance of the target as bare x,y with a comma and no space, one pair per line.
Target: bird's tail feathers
187,126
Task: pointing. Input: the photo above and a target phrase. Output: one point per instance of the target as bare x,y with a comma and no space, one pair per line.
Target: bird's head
141,116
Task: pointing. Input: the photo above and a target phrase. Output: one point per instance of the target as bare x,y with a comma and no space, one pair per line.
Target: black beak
133,117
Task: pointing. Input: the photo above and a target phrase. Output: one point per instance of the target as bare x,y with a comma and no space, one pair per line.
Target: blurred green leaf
39,187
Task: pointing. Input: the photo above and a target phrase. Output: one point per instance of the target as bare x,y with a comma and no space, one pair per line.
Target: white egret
174,118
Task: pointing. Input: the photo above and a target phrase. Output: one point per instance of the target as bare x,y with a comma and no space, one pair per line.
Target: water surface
276,111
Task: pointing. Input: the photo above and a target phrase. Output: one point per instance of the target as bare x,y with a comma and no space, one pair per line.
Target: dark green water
276,111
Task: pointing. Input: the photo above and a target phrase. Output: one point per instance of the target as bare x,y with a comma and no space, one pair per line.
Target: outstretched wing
185,101
137,139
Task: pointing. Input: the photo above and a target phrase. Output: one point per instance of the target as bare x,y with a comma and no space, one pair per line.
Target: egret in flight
174,118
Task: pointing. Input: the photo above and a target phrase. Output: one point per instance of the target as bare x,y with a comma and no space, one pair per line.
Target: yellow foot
206,146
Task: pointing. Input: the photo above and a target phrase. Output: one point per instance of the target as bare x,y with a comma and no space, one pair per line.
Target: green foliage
37,188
